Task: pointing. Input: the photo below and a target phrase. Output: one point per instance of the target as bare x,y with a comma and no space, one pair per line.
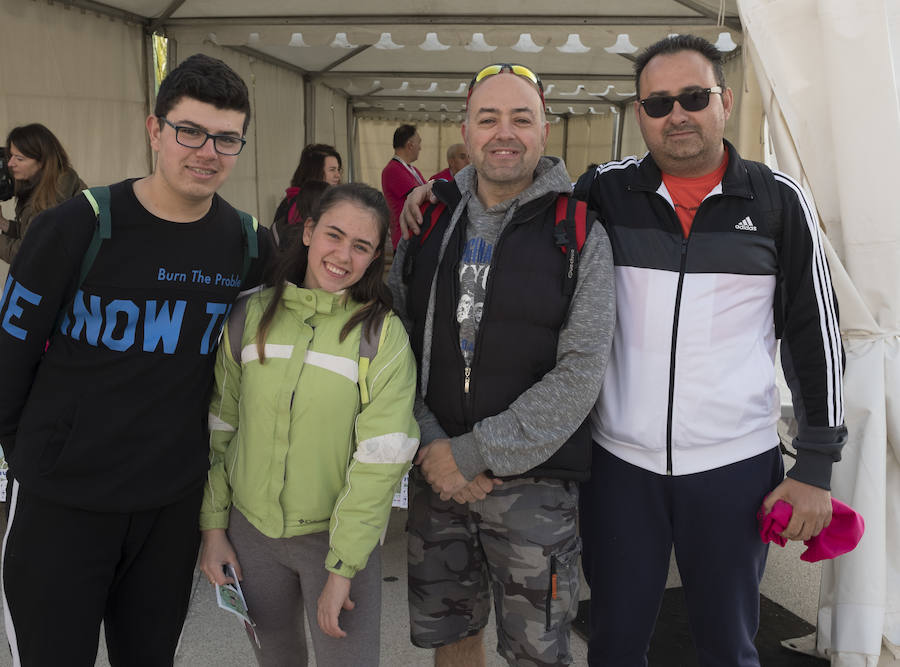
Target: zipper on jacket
684,245
681,272
467,384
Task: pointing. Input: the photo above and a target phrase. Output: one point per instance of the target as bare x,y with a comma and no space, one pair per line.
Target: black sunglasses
660,106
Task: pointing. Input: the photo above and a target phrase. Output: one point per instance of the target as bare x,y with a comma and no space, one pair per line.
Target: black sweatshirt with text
112,414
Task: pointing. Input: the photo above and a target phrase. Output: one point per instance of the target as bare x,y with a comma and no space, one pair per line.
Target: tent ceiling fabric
400,57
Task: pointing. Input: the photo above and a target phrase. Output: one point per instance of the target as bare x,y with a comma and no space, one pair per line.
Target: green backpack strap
99,200
249,228
368,348
236,320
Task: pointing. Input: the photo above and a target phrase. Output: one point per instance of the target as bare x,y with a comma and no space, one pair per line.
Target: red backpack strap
431,213
580,222
574,210
562,204
570,230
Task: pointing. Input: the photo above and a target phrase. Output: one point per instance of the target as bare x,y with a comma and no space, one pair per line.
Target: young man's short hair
403,134
204,79
676,44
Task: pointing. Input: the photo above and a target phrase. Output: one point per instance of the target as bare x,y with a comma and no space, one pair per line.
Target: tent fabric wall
275,135
331,119
806,54
375,147
589,139
94,100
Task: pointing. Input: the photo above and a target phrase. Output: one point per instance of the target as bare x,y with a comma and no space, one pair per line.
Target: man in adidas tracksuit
510,364
707,248
106,427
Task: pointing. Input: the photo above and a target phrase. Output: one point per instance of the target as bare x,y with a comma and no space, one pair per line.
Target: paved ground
214,638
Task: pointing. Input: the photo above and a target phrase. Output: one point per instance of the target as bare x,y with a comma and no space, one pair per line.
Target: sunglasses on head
660,106
518,70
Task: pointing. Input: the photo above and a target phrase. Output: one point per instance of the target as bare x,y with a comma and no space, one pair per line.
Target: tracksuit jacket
691,384
291,446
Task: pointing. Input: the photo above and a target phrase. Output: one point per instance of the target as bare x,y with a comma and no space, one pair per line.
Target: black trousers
630,520
65,570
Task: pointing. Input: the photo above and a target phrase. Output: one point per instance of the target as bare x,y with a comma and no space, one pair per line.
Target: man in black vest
512,356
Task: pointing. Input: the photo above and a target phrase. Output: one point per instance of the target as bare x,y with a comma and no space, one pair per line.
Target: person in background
319,163
400,176
44,178
457,158
288,227
304,499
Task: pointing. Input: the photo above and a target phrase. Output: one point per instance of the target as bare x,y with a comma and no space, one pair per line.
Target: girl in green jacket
308,441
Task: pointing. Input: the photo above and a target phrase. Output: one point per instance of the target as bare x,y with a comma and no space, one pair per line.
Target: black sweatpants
65,570
630,520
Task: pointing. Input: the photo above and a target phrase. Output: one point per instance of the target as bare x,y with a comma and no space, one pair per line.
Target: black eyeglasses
518,70
194,137
660,106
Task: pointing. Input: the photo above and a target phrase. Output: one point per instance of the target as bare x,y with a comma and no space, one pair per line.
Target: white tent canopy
329,73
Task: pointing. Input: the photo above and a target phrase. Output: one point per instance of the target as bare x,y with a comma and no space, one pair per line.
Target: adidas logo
746,225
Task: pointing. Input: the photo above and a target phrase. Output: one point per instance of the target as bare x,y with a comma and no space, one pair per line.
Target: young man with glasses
510,363
106,383
715,257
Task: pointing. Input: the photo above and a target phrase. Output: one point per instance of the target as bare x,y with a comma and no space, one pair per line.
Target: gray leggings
285,575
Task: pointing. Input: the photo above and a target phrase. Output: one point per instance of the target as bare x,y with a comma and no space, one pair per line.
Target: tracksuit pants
65,570
283,578
630,520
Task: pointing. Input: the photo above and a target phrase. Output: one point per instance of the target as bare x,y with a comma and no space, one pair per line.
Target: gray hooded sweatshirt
542,418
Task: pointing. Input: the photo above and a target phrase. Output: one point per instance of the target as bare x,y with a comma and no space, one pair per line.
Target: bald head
505,133
457,157
538,95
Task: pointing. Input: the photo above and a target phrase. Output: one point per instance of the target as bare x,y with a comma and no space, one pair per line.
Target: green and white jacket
292,445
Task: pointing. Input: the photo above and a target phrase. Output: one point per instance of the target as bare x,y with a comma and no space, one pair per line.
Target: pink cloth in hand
840,536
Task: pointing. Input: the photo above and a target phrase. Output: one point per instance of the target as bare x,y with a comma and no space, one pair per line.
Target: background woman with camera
43,178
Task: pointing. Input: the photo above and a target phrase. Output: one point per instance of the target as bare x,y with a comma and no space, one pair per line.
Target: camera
7,183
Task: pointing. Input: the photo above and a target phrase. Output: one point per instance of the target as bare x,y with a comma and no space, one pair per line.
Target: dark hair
312,163
39,143
370,290
403,134
204,79
676,44
307,200
293,211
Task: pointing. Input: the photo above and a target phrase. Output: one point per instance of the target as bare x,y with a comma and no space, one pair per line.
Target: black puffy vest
524,309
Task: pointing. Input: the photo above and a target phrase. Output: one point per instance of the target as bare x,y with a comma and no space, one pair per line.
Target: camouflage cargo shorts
519,545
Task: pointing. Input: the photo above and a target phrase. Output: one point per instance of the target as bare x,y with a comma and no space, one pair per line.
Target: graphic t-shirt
473,274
